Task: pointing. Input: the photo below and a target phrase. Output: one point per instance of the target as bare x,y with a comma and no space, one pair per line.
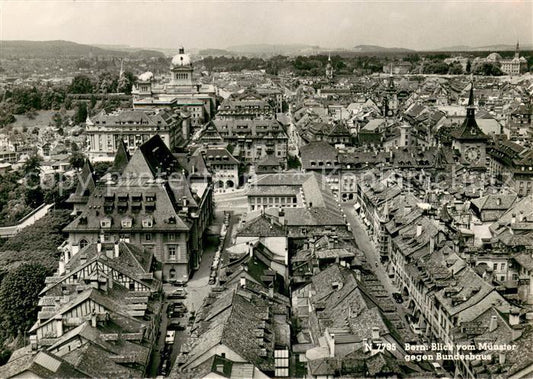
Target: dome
523,60
494,57
181,59
146,76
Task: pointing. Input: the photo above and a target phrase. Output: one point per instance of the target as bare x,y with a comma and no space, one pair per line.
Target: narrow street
197,290
364,243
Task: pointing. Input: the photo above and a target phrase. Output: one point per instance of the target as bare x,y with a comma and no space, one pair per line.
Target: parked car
164,367
180,283
177,324
397,297
169,339
179,293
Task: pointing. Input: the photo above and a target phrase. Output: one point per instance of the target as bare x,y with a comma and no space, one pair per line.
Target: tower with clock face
469,139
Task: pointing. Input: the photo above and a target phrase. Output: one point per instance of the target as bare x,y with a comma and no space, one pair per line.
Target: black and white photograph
247,189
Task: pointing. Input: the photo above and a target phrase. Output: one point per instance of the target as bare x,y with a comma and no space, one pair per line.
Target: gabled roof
40,365
153,158
122,158
261,226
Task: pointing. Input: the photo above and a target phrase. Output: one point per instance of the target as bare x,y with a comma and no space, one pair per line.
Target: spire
329,57
471,96
517,50
121,73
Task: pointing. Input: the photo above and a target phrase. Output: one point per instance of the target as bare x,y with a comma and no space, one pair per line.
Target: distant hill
133,51
54,49
500,47
271,49
380,49
216,53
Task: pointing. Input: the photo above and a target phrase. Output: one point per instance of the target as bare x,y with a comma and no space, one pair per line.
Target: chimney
75,248
243,282
93,319
281,217
499,201
357,275
33,343
98,246
365,345
61,266
501,358
117,249
521,216
493,323
431,244
271,291
514,318
110,283
418,230
513,219
332,346
250,249
375,333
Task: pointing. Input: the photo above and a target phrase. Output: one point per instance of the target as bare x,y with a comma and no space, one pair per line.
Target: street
197,290
364,243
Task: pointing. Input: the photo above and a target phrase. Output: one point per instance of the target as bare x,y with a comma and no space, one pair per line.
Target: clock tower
469,139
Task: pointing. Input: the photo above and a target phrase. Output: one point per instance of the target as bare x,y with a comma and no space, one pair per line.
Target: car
180,283
169,338
179,293
164,367
177,324
397,297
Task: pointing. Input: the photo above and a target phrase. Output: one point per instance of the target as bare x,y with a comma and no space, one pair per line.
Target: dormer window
122,206
126,222
105,222
150,197
149,206
148,222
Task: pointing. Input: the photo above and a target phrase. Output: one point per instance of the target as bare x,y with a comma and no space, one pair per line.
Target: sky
415,24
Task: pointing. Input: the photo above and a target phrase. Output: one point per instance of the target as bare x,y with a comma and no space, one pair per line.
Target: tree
77,160
32,166
19,293
81,84
125,83
81,113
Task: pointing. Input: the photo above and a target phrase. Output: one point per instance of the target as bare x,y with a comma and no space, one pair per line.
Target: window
148,222
83,243
105,222
148,236
126,222
172,252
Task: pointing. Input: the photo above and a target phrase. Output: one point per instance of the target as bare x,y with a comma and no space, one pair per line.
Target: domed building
181,69
194,100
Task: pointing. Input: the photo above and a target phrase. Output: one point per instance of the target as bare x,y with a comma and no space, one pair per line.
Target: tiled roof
262,226
41,365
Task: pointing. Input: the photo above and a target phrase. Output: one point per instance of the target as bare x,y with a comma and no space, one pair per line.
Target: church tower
329,69
469,139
